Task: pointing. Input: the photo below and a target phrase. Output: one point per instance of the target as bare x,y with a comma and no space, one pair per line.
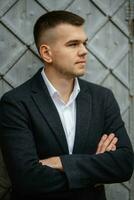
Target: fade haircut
52,19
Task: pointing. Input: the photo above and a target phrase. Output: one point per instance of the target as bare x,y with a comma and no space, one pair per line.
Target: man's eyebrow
71,41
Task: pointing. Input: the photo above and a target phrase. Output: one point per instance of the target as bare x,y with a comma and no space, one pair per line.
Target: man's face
68,50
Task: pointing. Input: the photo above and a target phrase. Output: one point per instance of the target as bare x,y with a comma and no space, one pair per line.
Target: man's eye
73,44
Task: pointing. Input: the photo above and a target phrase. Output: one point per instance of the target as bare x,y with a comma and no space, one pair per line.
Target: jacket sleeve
109,167
19,150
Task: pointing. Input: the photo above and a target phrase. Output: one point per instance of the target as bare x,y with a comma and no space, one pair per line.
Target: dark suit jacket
31,130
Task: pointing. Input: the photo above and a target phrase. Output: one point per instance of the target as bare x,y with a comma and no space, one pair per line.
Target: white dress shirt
67,111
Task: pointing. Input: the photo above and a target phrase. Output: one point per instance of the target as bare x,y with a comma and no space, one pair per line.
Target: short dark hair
52,19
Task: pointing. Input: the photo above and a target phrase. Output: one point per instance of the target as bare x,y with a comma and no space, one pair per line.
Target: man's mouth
81,61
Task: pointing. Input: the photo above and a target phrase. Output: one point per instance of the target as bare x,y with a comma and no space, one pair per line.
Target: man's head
61,42
52,19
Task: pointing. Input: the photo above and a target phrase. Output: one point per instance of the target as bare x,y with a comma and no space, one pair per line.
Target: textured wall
109,61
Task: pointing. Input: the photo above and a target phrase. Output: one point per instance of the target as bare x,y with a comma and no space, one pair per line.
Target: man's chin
82,73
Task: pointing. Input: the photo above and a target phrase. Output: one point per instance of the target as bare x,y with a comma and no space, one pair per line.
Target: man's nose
83,50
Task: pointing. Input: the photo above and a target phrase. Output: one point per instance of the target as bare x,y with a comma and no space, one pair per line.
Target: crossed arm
107,143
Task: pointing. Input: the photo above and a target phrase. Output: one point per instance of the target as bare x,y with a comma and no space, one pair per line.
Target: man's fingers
103,138
107,143
112,145
113,148
53,162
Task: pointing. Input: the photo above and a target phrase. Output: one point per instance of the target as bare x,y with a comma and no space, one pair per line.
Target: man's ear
45,53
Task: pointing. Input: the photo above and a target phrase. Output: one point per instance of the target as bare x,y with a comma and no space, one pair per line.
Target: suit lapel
83,117
48,110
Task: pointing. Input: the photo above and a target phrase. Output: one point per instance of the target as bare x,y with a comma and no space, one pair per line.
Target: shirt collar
49,85
52,90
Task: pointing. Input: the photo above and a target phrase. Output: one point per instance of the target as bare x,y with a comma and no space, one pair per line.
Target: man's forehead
65,32
70,31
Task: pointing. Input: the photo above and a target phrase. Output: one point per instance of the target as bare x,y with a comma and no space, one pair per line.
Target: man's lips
82,61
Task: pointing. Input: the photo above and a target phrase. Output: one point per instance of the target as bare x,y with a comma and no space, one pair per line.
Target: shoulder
100,95
23,91
94,89
20,92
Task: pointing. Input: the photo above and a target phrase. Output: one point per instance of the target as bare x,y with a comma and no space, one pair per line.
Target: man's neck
61,83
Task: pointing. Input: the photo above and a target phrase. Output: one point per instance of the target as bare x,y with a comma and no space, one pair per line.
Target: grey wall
110,60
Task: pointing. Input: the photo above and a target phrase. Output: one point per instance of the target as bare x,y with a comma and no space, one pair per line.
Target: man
63,137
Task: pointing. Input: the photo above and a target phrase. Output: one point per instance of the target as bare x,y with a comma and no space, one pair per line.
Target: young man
63,137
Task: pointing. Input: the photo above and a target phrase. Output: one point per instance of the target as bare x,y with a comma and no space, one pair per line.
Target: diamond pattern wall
21,17
10,49
108,59
109,44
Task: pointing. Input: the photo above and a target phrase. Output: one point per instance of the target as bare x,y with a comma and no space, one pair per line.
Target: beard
71,72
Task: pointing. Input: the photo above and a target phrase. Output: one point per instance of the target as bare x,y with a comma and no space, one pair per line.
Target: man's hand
107,143
53,162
